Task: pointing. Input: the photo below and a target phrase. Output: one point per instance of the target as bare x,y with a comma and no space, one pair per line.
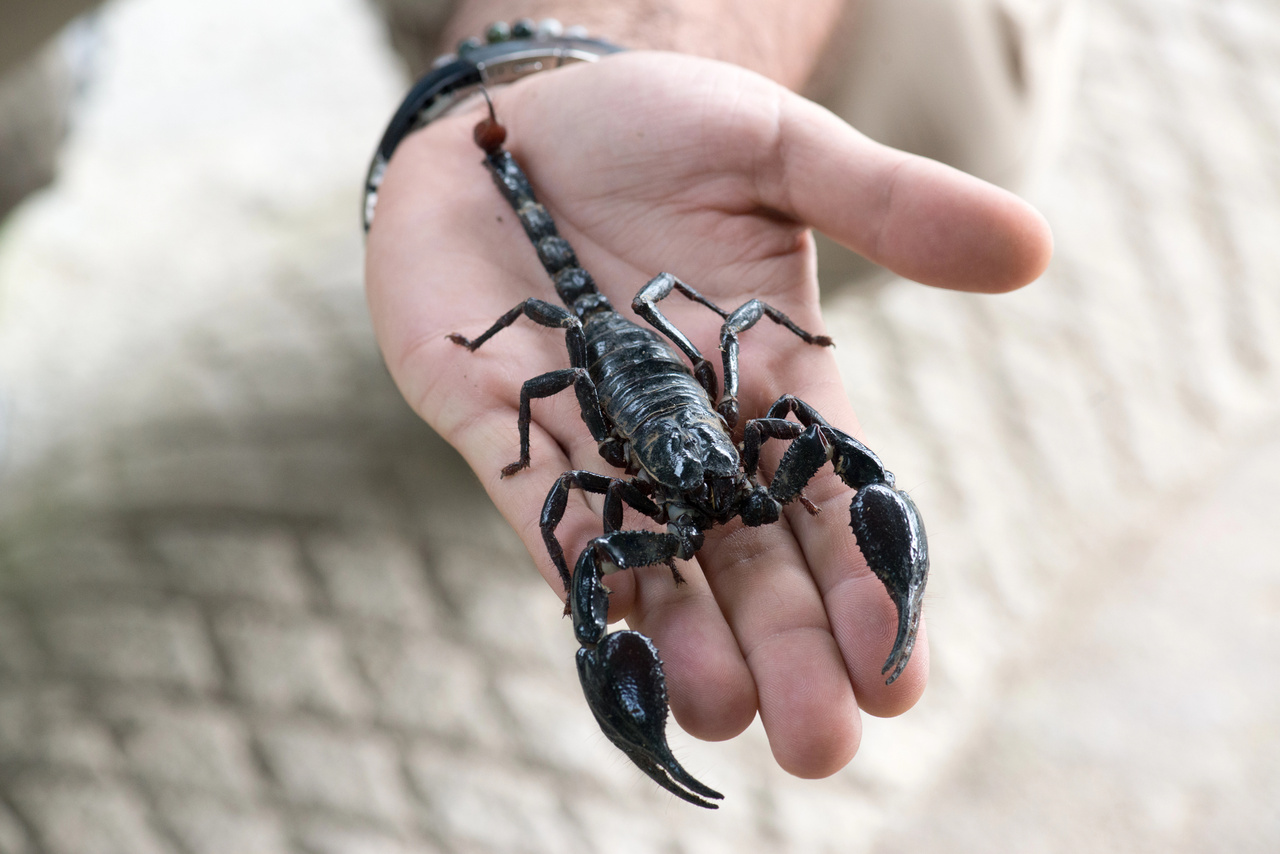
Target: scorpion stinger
656,418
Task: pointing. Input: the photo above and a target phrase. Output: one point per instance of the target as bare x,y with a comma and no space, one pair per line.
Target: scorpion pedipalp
885,520
627,692
623,682
891,538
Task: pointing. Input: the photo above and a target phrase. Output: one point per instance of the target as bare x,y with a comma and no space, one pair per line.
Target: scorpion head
685,457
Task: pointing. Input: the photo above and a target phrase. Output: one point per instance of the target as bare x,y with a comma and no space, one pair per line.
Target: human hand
660,162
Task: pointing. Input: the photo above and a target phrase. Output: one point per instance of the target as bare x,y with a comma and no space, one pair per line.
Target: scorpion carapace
653,416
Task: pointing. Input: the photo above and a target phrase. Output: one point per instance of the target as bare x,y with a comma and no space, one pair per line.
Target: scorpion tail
557,256
891,537
622,678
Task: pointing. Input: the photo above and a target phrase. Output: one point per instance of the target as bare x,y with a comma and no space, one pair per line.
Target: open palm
656,162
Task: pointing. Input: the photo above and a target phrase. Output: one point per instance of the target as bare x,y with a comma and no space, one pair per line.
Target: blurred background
248,603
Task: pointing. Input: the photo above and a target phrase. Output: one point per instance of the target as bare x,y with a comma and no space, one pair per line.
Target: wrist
780,39
508,53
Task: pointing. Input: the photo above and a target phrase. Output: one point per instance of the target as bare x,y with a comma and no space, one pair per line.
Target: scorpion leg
552,382
615,490
742,319
543,314
885,520
645,305
621,673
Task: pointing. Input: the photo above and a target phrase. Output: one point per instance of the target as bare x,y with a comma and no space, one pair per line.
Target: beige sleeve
982,85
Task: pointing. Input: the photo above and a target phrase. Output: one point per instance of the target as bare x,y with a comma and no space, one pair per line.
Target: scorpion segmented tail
572,282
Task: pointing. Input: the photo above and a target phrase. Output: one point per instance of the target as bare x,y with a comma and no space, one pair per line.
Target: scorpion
653,416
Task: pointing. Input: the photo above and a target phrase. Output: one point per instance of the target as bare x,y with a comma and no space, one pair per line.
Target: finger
777,616
710,687
862,618
921,219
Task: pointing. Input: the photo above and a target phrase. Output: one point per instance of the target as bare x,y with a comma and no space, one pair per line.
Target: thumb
919,218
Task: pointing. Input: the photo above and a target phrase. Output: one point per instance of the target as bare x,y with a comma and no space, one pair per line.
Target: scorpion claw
891,537
622,679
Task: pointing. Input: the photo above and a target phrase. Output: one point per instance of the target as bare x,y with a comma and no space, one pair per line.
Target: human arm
781,40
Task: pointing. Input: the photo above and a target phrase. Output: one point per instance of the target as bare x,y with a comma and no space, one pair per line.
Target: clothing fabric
978,84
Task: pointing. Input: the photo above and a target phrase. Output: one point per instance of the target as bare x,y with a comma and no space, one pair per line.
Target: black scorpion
653,417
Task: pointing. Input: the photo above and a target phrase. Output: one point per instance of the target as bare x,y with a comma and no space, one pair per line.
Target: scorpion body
658,419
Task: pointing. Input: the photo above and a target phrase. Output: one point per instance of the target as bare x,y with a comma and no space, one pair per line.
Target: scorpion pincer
653,417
